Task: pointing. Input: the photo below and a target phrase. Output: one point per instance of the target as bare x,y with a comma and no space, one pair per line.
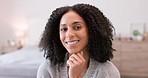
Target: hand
77,65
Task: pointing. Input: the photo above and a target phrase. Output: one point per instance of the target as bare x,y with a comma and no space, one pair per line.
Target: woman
77,42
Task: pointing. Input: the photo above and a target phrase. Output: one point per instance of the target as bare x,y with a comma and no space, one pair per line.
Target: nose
70,33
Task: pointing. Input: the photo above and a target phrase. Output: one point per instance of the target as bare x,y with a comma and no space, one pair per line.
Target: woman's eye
77,27
63,29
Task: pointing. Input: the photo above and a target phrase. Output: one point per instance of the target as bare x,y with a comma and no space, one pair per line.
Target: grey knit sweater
95,70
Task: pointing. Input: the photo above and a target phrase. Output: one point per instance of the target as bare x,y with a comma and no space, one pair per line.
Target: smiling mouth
72,42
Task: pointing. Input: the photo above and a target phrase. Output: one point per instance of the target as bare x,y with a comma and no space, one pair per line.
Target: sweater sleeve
107,70
111,70
42,71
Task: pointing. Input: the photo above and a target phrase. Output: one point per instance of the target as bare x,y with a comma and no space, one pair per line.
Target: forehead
70,17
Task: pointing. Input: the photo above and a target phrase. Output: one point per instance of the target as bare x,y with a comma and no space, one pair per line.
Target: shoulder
110,69
45,69
45,65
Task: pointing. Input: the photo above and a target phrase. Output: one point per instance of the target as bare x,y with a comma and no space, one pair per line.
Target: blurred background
22,23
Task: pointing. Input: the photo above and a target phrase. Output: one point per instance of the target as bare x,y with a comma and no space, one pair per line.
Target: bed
22,63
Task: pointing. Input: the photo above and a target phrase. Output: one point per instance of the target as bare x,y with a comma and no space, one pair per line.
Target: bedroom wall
5,17
30,16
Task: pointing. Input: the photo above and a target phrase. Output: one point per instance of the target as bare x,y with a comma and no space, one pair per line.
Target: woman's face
73,32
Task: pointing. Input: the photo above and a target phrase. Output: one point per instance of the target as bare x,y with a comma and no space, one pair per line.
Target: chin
73,52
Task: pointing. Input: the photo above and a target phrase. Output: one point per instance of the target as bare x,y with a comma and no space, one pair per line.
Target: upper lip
71,41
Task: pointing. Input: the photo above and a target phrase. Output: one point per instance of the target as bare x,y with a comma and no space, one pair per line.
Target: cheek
86,39
85,35
61,37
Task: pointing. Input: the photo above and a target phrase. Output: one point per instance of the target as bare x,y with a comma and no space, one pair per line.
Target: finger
72,58
76,57
72,64
69,63
80,54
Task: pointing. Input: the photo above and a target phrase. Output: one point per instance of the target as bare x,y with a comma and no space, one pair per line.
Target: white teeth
74,42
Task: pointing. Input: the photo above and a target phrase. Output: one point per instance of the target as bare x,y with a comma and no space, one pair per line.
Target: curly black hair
100,34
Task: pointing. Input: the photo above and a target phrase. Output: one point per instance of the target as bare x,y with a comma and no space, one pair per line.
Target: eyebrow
77,22
62,24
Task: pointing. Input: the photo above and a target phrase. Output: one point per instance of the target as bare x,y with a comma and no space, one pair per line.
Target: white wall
6,31
32,15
